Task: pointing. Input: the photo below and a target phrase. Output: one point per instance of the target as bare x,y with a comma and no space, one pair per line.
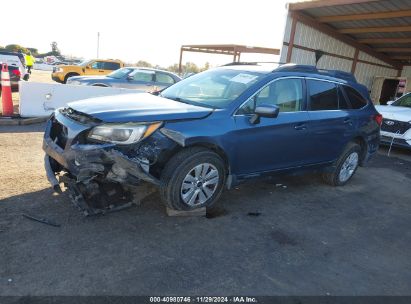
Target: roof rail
251,63
291,67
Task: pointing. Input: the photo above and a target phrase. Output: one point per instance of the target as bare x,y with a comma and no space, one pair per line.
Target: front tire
192,179
345,166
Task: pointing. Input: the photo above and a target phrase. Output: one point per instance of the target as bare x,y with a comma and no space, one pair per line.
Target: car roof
148,69
292,69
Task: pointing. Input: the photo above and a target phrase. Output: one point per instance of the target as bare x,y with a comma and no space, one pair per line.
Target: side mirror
269,111
88,67
129,78
390,102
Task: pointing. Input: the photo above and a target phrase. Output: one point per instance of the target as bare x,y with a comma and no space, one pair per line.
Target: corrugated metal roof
360,8
373,6
399,21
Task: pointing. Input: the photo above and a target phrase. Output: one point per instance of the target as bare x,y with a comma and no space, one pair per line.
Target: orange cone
6,91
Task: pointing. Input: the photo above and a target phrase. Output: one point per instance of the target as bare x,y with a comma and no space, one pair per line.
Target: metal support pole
98,43
181,60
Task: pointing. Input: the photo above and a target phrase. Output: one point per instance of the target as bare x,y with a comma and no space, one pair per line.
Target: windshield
214,88
85,62
404,101
118,74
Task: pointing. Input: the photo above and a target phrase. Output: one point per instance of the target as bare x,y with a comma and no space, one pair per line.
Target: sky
151,30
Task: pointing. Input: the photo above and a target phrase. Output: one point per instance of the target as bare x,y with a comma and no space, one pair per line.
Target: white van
15,59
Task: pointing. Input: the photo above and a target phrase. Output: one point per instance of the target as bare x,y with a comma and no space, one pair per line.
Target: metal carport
234,50
366,37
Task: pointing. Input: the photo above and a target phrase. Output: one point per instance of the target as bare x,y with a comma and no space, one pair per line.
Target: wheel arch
360,140
70,74
100,85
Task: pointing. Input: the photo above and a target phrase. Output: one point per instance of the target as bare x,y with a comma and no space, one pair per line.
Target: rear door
331,125
274,143
163,80
109,67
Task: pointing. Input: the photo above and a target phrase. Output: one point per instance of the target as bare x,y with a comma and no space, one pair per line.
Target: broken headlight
124,134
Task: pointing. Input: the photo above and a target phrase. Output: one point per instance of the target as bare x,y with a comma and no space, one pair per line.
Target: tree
33,51
16,48
54,49
144,64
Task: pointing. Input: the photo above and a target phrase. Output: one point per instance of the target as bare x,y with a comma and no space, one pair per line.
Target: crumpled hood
395,113
138,107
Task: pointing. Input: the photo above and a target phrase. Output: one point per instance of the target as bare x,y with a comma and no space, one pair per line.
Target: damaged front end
100,176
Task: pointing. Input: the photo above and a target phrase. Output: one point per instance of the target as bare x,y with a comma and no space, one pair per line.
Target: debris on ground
41,220
254,213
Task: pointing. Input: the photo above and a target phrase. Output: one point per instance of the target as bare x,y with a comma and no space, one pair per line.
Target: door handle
348,121
300,127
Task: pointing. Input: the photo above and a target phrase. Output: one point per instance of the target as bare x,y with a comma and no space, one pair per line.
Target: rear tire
345,166
192,179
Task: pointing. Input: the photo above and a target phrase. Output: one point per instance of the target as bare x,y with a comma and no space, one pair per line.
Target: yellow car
89,67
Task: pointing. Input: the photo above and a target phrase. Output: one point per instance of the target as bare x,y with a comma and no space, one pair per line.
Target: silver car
145,79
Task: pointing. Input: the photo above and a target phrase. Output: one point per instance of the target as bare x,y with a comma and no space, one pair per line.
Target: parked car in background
145,79
17,60
212,130
15,76
396,124
88,67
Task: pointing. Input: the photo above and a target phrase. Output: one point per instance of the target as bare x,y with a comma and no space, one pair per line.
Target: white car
396,123
17,60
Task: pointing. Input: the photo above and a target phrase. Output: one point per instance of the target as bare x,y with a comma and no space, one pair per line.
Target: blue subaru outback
210,131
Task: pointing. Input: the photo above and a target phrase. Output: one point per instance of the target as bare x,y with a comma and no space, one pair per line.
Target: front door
274,143
95,68
141,80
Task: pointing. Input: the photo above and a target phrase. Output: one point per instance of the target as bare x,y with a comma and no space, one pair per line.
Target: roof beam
323,3
383,29
370,16
402,57
384,40
394,50
346,39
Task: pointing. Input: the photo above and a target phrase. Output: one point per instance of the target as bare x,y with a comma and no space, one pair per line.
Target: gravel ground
301,237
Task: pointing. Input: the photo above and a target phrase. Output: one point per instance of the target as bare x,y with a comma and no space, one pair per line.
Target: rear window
355,98
164,78
323,95
111,66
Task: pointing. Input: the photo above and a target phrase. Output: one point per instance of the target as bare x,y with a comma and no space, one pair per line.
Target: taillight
378,119
16,72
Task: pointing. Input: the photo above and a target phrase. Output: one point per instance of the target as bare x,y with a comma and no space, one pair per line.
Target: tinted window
287,94
111,66
404,101
164,78
323,95
142,76
342,102
356,100
97,65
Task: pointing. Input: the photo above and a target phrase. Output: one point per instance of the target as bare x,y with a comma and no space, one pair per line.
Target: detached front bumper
62,144
99,177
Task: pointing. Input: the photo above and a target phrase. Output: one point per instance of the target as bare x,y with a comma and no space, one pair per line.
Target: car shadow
38,127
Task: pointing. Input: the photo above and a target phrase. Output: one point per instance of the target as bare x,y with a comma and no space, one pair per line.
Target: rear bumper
398,142
56,78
